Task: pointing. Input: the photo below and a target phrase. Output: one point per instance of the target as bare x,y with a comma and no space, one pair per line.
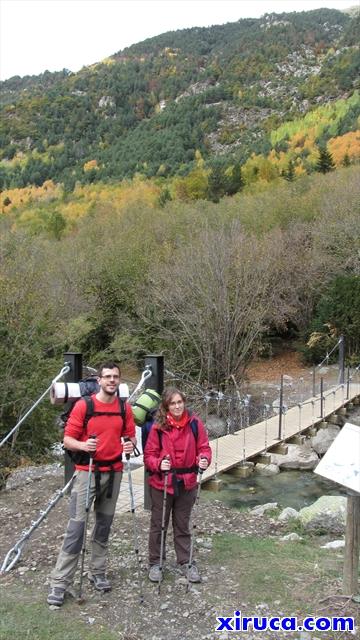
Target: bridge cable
64,371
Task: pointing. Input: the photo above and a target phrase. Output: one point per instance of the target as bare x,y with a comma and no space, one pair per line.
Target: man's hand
128,447
90,445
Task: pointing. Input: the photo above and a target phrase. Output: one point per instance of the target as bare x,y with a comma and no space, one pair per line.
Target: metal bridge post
341,359
314,381
348,384
156,364
74,375
281,405
321,397
156,382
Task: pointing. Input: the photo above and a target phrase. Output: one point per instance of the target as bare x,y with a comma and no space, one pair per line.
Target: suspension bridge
261,439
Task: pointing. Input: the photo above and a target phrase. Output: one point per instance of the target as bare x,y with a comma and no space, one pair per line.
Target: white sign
341,462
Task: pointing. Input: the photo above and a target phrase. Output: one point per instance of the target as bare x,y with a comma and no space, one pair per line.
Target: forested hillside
196,194
222,91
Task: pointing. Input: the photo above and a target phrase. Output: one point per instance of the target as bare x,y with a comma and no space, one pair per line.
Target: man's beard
111,393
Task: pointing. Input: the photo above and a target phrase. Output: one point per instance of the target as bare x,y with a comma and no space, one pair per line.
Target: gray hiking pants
64,571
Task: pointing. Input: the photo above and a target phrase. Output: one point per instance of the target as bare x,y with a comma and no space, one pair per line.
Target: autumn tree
211,302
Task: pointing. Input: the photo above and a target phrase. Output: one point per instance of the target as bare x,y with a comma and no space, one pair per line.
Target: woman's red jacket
182,447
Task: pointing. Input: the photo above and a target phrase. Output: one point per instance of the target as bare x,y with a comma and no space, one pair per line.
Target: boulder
324,438
261,508
328,513
334,544
297,457
287,514
266,469
291,537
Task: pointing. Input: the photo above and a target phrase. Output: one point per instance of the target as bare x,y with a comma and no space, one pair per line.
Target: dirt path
244,566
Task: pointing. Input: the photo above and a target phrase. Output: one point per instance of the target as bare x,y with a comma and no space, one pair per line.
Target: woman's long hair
163,410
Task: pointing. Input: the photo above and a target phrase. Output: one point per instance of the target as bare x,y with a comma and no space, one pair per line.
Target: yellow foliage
303,140
91,164
199,159
193,186
108,61
260,168
348,144
112,199
72,211
20,198
315,337
299,169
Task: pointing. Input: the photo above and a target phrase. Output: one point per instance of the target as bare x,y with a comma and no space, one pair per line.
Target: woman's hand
165,464
203,464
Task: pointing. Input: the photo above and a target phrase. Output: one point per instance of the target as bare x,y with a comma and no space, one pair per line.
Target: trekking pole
162,540
200,472
132,506
87,511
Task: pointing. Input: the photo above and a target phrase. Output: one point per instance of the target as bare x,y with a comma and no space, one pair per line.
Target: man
99,437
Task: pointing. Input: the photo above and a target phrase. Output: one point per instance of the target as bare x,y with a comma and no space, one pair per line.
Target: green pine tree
346,160
216,183
235,182
289,173
164,197
325,162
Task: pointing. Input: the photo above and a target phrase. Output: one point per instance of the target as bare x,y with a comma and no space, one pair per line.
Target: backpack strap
90,413
122,408
194,427
89,410
82,457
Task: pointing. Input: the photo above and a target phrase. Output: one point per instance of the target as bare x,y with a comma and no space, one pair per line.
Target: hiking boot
56,596
194,575
155,573
100,582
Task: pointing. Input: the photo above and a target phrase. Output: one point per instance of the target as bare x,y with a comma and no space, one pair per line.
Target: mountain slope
222,90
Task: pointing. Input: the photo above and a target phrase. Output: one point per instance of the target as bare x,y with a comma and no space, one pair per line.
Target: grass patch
290,571
24,617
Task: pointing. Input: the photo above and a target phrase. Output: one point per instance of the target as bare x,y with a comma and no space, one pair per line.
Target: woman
177,446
